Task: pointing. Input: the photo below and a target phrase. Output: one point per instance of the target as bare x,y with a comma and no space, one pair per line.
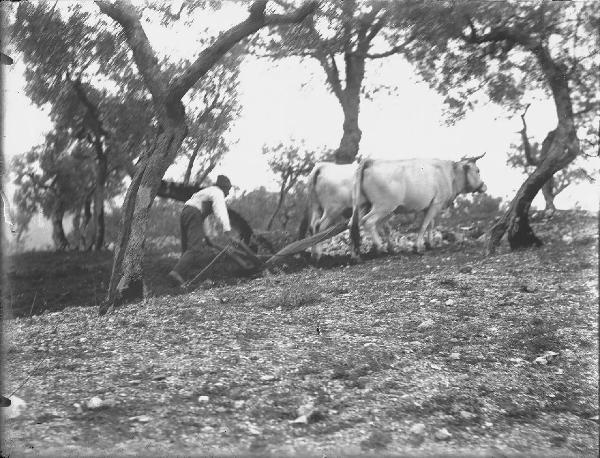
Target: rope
188,283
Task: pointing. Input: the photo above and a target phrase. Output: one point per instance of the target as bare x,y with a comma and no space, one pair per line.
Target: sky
289,100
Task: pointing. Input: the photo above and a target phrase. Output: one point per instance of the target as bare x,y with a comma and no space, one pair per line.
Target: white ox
405,186
329,198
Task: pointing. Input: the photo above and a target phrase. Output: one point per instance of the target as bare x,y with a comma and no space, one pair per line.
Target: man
196,209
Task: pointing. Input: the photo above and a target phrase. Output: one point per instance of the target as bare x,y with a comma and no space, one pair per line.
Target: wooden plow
301,245
239,252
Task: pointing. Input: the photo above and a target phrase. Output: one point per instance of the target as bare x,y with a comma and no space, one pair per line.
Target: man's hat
223,182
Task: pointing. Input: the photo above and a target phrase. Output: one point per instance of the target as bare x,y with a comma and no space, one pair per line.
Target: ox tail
357,202
311,204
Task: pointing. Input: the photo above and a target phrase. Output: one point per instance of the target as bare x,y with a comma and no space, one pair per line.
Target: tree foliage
52,181
289,162
257,204
475,52
213,106
49,173
504,50
342,37
82,72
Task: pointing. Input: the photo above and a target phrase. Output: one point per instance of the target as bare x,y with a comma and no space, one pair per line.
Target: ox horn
472,159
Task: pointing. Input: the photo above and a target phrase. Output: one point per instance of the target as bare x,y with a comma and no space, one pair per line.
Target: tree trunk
534,157
516,220
77,229
87,217
98,215
548,192
201,177
282,194
126,282
563,148
58,234
286,218
349,144
190,166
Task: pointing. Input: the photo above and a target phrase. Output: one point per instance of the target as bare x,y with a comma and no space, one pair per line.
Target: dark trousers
192,239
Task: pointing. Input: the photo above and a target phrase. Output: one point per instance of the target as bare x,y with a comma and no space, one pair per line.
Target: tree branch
226,40
589,107
563,183
531,159
335,82
123,12
395,50
348,8
502,33
332,73
91,108
375,26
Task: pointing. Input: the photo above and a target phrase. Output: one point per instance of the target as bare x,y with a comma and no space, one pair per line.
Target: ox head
473,181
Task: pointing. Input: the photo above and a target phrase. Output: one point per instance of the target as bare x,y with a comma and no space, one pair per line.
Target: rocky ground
446,353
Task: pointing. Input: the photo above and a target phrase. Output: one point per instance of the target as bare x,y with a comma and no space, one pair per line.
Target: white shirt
215,196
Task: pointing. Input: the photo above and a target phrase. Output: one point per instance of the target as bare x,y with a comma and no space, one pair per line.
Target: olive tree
502,50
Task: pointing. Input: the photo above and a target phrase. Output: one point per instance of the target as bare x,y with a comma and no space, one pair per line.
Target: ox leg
321,225
430,214
355,247
429,243
313,228
386,227
369,222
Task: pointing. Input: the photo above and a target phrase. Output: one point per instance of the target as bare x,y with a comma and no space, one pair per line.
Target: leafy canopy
466,50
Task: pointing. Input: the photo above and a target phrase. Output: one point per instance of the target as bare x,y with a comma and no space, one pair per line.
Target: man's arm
220,210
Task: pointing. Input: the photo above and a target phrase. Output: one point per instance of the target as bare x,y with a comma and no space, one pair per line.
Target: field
446,353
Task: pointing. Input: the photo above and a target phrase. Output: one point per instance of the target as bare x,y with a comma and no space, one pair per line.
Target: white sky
289,100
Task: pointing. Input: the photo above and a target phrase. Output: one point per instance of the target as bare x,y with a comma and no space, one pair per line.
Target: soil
449,352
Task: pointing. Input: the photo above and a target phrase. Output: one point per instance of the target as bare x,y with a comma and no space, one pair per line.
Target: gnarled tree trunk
548,193
534,157
85,227
516,220
563,149
58,234
126,282
76,228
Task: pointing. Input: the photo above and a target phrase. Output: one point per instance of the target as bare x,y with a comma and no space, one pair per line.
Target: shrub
258,205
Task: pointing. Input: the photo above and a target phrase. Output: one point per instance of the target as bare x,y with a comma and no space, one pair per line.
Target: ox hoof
418,251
